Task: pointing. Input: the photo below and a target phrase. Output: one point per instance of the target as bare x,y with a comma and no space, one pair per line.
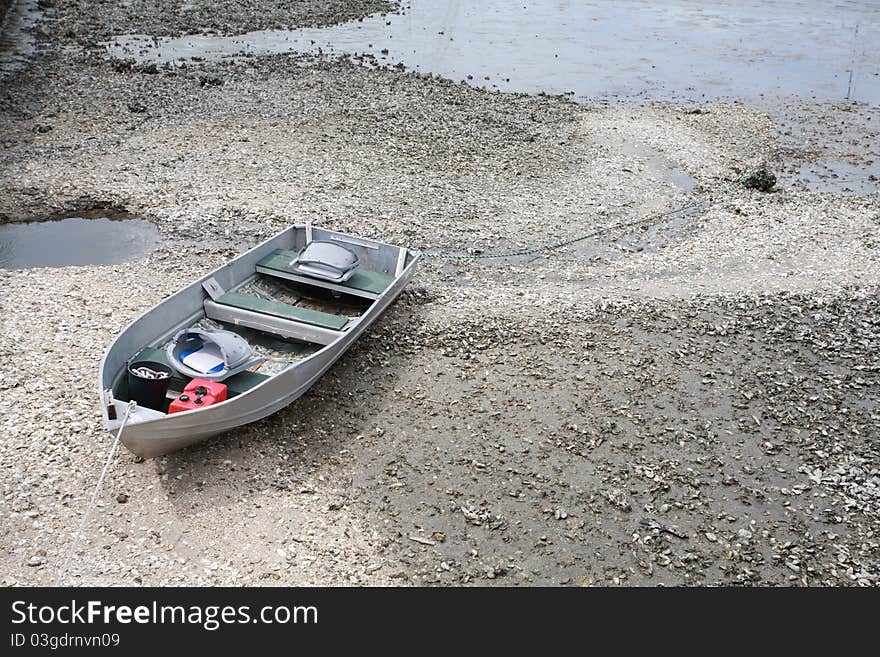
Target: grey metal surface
270,324
327,261
153,434
237,353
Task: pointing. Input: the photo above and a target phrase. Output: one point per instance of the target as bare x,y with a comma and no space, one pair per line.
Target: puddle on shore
670,229
681,49
75,242
16,39
837,176
654,164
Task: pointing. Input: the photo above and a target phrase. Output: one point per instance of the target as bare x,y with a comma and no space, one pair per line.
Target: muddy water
75,242
679,49
839,176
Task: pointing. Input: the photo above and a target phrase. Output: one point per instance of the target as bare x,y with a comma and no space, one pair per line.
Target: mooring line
558,245
97,492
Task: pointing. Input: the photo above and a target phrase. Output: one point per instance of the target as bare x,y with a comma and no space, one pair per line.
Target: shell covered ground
695,400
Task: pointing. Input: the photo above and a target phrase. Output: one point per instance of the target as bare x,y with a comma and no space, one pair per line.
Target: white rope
97,492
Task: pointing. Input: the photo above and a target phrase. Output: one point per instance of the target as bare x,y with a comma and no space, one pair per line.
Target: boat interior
283,314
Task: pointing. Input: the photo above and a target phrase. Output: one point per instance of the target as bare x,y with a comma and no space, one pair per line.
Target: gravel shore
74,23
692,403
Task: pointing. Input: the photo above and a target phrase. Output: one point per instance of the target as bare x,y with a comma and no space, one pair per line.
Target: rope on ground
557,245
97,492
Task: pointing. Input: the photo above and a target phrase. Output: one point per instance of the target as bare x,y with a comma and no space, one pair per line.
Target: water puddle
75,242
16,39
838,176
656,236
652,163
681,49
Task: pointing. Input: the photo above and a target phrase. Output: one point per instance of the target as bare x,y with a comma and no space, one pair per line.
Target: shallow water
657,165
75,242
677,49
838,176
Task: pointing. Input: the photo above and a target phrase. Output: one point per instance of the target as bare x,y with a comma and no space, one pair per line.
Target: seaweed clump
760,178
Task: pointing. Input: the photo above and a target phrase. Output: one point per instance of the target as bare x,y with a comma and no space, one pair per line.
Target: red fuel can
198,393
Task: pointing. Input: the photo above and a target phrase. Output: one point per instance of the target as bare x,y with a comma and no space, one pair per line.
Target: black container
148,392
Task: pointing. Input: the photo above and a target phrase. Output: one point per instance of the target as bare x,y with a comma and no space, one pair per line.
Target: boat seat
363,283
277,318
283,310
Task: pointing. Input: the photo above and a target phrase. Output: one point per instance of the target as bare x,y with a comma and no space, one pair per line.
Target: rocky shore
693,402
86,25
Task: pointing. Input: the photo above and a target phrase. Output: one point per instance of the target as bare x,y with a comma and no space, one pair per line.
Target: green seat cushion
243,381
283,310
364,280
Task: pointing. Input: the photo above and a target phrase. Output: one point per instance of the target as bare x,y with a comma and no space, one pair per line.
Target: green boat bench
283,310
364,283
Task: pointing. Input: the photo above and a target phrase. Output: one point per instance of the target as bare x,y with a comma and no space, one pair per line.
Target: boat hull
154,434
